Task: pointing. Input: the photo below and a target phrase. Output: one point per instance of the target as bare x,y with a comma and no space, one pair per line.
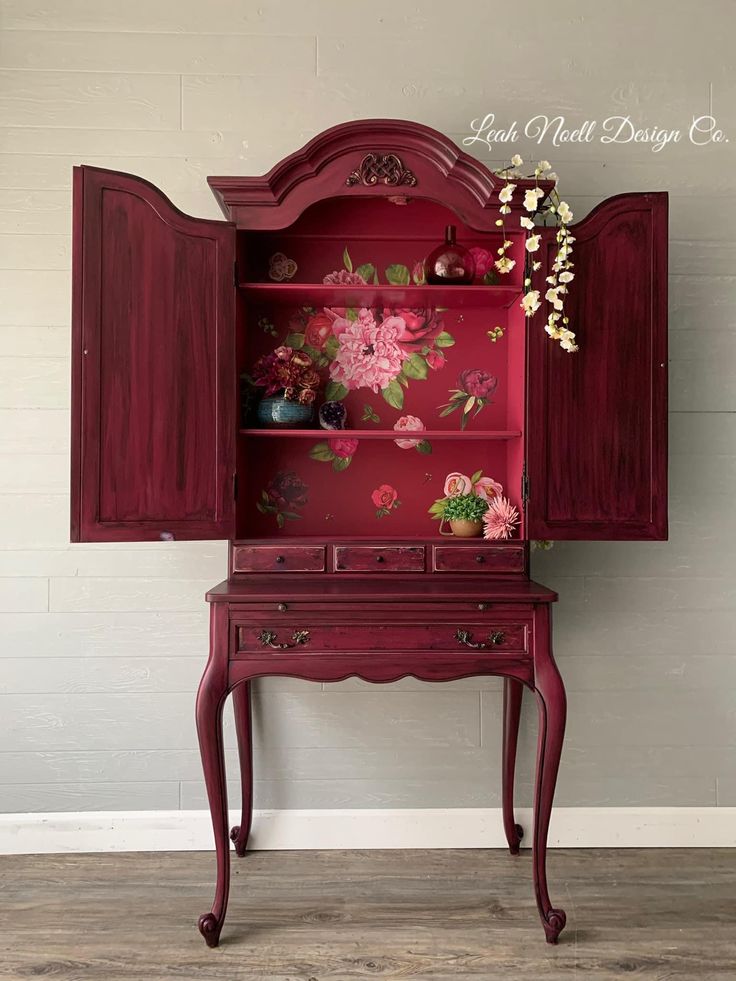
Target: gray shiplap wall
101,646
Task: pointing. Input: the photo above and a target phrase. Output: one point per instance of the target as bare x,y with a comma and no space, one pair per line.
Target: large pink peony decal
379,350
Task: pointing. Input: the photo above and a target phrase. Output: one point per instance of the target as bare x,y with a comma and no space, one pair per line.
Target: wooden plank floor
312,916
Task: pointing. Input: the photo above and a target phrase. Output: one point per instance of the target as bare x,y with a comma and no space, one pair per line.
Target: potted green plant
465,515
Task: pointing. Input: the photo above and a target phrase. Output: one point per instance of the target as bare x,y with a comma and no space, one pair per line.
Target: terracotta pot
462,528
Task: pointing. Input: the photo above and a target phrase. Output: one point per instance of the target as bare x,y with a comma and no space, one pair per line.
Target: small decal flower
435,360
385,499
474,391
338,451
484,265
500,519
318,330
342,277
281,268
411,424
283,497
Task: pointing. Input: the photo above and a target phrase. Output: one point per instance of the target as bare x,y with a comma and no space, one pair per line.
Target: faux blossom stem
561,273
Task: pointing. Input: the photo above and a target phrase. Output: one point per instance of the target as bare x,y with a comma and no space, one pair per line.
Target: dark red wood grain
153,428
597,420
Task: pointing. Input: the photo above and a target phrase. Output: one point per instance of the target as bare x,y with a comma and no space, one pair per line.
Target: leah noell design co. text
702,131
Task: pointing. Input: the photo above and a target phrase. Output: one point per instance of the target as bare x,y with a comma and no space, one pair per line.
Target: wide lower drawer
344,638
279,558
379,558
478,558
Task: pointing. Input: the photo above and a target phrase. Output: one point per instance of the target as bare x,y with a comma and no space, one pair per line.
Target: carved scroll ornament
383,168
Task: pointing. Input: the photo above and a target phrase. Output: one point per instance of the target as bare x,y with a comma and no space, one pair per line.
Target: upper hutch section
174,316
368,158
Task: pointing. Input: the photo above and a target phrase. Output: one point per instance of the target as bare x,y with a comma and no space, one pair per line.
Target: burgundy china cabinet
336,567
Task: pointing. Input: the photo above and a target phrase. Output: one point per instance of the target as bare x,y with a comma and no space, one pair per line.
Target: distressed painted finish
513,641
597,453
153,384
278,558
379,558
476,558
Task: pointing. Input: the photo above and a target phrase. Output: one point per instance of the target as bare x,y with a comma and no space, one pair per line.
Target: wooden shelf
485,434
319,295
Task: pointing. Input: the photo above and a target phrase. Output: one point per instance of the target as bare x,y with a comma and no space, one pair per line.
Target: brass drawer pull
494,638
268,639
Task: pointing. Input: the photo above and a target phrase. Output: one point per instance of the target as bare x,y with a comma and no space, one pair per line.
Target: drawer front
363,558
478,558
274,637
279,558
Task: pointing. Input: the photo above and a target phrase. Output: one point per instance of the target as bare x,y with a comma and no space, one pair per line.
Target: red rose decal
344,448
318,329
479,383
287,490
419,326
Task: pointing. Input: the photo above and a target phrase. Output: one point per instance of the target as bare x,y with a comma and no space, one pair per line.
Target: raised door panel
597,418
153,381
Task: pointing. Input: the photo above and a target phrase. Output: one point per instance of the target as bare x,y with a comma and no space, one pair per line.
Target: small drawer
279,558
361,558
478,558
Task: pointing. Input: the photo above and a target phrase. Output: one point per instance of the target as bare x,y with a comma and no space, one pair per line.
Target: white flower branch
561,274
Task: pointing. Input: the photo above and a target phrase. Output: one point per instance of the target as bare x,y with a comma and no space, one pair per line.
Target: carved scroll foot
239,842
210,928
554,923
515,840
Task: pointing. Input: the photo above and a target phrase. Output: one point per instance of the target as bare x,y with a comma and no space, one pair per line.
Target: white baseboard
572,827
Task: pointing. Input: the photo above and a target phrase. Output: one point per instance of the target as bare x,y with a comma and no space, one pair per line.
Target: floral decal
385,499
415,425
281,268
484,266
284,496
338,451
370,414
474,391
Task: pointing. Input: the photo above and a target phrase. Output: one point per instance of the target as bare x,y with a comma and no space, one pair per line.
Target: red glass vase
449,262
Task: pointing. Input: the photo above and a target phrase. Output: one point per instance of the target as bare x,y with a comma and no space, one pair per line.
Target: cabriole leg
512,694
210,700
552,705
243,728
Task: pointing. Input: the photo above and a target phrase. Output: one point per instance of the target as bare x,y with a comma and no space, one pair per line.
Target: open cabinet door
153,366
597,419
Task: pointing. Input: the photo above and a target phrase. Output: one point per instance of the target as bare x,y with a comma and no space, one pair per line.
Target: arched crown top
367,157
